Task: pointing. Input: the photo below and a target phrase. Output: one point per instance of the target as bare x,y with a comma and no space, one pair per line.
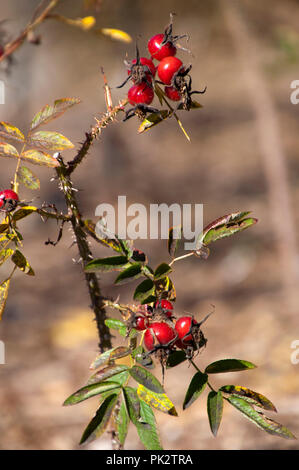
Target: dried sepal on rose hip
163,45
8,200
165,307
140,70
190,337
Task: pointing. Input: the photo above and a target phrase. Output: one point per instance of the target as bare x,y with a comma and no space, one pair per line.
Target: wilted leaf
110,355
90,391
113,243
215,410
116,34
133,404
28,178
196,387
258,418
144,290
3,227
50,112
113,263
152,120
49,140
194,105
160,401
98,424
250,396
9,131
174,240
3,295
39,157
229,365
7,150
129,274
21,262
146,378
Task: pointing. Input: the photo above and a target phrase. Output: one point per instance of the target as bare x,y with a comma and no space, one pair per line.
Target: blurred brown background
243,155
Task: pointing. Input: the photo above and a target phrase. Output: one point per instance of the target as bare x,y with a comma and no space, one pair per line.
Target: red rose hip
172,93
141,323
183,328
140,94
168,68
159,48
159,333
8,200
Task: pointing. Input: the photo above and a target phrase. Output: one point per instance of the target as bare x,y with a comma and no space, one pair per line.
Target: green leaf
133,404
225,227
142,358
174,240
3,295
259,419
113,263
21,262
162,271
147,429
196,387
114,323
7,150
159,401
5,254
228,365
144,290
39,157
99,423
147,379
90,228
122,422
90,391
8,131
175,358
250,396
49,140
50,112
109,356
152,120
132,272
215,409
28,178
106,373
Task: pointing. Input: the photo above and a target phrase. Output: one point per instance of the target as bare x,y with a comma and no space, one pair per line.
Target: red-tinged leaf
228,365
49,140
215,410
39,157
90,391
259,419
8,131
7,150
196,387
28,178
250,396
109,356
106,372
99,423
50,112
3,295
146,378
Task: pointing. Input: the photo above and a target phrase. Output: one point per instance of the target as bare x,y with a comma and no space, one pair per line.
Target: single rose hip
140,94
172,93
160,47
8,200
141,323
168,69
183,327
159,333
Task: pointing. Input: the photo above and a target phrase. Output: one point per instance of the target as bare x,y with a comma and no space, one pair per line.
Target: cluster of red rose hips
164,333
171,72
8,200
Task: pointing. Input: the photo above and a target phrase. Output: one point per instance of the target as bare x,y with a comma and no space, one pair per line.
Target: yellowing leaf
38,157
160,401
10,132
21,262
7,150
23,212
87,22
116,34
50,112
28,178
50,141
3,295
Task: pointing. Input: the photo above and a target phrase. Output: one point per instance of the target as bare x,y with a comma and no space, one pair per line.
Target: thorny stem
95,132
16,43
97,301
